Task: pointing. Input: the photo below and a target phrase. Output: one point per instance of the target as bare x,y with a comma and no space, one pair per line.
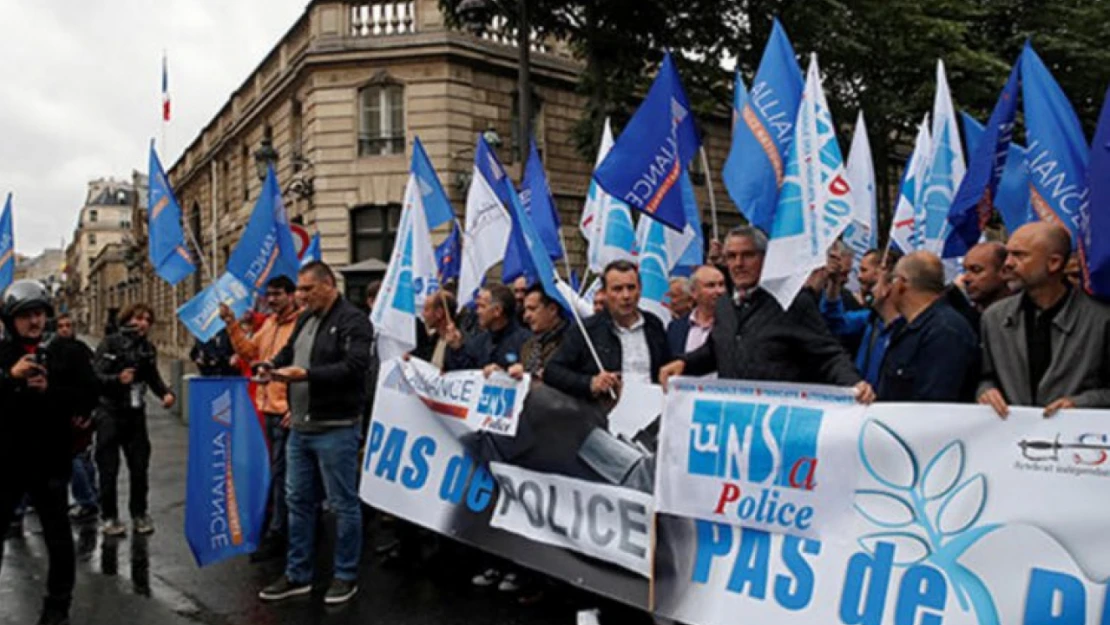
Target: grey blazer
1080,367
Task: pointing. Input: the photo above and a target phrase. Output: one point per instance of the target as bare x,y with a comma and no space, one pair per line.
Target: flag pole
174,334
566,256
589,343
712,196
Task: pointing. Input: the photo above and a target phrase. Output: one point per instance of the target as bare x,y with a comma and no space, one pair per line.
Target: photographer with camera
43,383
127,365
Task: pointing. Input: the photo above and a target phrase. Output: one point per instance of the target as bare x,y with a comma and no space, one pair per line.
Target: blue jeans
334,454
83,485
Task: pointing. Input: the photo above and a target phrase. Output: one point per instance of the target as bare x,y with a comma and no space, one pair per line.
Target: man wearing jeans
323,363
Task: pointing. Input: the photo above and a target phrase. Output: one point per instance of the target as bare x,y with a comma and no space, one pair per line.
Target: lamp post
265,156
475,15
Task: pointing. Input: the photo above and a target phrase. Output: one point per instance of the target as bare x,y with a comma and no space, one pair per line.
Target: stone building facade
341,98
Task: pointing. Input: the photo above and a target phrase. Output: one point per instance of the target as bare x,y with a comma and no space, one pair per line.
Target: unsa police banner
957,516
228,476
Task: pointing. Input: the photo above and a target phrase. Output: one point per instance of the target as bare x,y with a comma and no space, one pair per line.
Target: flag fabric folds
437,207
659,251
1012,197
692,239
535,195
7,246
815,205
1057,149
165,90
449,255
228,478
660,141
946,170
266,249
1096,249
860,235
201,314
971,208
606,222
533,257
412,275
755,169
312,253
903,225
487,221
169,254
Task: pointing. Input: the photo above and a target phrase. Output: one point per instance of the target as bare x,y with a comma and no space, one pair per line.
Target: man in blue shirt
935,356
872,328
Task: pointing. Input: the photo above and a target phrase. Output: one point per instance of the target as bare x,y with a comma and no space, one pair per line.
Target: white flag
946,169
659,249
860,234
488,226
815,204
903,226
410,278
606,221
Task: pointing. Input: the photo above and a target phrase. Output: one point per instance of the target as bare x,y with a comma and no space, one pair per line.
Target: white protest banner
960,517
758,454
607,522
490,404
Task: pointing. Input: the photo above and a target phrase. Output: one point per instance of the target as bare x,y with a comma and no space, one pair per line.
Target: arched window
381,119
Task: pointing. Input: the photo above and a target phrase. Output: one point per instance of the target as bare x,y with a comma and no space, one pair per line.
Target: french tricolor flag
165,90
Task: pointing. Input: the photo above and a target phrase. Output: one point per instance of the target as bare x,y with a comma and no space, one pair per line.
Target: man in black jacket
753,338
324,363
43,384
498,343
127,365
631,344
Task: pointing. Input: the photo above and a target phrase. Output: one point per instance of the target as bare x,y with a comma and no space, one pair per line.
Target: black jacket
126,350
934,358
760,341
573,366
36,435
214,357
500,348
338,363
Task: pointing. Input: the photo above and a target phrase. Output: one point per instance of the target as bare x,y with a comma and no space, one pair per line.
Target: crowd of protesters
1012,328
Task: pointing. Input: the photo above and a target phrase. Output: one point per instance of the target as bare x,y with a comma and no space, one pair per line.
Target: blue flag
449,255
1095,250
169,255
228,478
1057,152
660,141
1012,198
437,207
534,261
535,195
201,315
7,246
694,254
761,136
312,253
266,248
974,201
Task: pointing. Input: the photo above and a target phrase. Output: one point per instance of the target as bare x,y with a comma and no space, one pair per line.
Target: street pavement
154,580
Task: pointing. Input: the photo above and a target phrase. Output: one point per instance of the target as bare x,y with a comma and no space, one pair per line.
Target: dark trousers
50,497
277,528
124,431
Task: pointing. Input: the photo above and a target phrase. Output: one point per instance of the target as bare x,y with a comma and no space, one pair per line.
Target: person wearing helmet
43,383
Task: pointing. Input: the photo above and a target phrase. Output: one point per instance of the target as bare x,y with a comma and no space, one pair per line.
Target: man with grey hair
678,297
753,338
1050,345
934,356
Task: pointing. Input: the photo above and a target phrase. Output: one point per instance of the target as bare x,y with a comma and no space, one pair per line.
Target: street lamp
265,156
475,15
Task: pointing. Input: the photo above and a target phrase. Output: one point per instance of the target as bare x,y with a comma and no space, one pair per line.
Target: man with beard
43,384
1050,344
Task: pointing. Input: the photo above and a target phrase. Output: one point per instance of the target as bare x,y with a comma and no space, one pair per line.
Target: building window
244,172
381,126
92,216
92,238
296,122
373,231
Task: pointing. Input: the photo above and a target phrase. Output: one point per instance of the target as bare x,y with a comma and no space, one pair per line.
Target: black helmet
26,295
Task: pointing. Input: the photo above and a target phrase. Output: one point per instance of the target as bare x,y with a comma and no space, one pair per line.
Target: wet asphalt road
154,580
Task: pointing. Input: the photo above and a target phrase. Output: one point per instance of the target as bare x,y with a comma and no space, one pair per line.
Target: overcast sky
81,91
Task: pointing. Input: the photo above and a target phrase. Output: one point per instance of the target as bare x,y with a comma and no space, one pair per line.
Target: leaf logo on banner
903,511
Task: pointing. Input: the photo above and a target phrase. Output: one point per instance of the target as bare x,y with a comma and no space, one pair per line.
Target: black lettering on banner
535,513
552,503
631,515
601,539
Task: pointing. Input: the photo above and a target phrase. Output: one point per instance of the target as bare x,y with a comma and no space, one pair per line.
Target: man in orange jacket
271,399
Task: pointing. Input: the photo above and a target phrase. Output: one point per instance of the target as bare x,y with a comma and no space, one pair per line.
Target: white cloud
82,91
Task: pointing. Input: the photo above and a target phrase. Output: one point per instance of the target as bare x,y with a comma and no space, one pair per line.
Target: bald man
934,357
1049,345
985,274
685,334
